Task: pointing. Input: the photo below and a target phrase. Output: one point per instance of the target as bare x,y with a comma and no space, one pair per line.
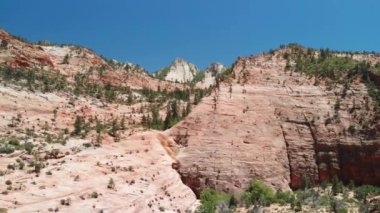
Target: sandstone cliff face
181,71
279,127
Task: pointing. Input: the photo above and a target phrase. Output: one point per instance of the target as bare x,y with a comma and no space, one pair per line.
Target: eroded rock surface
76,171
180,71
279,127
139,166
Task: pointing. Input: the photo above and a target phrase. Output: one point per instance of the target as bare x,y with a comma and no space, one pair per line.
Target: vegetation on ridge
333,68
331,196
161,74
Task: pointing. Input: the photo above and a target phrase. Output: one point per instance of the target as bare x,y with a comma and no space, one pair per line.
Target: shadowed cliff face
279,127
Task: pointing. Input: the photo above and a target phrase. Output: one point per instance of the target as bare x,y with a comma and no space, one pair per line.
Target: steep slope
179,71
280,127
77,169
65,150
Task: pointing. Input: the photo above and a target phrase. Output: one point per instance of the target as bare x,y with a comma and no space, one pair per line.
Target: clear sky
152,33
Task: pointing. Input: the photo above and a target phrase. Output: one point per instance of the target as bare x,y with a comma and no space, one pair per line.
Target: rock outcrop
260,122
279,127
179,71
210,74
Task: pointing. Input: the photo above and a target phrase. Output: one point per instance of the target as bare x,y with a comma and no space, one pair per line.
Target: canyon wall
280,127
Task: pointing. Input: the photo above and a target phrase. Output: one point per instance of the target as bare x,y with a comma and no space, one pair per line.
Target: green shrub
111,184
284,197
324,200
362,192
14,142
337,186
94,195
28,147
161,74
258,193
38,166
211,199
199,76
296,205
338,206
6,149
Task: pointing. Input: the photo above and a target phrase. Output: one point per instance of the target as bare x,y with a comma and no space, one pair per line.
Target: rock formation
70,172
262,121
80,60
277,126
210,74
179,71
75,173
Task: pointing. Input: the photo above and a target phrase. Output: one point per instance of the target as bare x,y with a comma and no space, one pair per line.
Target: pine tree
78,125
122,123
174,109
99,127
114,127
66,59
188,108
186,111
168,117
143,120
156,120
130,98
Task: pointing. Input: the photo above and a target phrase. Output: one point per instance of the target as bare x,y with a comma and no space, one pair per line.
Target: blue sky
152,33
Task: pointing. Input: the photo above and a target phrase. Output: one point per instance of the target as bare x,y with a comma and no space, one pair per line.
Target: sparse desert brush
94,195
111,184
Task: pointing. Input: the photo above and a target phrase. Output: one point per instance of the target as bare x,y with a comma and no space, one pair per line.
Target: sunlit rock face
276,126
181,71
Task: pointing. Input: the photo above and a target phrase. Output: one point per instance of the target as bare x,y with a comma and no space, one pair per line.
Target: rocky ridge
70,61
179,71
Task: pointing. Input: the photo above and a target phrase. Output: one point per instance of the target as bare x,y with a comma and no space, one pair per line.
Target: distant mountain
179,71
